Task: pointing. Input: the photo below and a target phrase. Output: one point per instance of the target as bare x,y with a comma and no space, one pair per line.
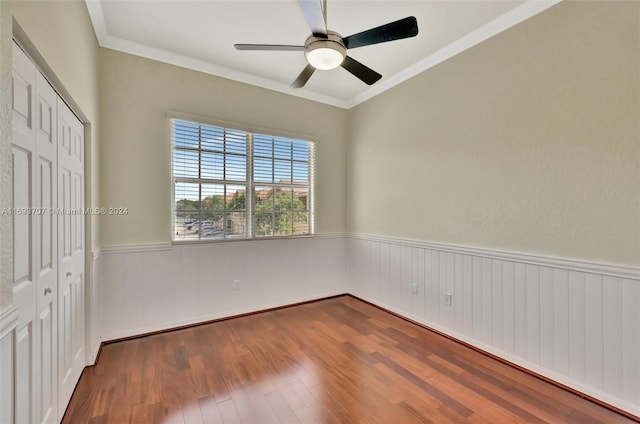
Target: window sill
236,240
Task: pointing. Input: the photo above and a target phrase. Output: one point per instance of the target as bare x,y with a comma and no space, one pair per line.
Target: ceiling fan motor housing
325,53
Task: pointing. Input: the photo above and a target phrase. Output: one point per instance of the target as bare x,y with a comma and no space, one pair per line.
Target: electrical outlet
448,299
236,284
414,288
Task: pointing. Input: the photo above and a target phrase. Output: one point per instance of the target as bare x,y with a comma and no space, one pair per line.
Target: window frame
249,183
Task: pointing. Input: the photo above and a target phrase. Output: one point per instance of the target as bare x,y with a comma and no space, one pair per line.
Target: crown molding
494,27
137,49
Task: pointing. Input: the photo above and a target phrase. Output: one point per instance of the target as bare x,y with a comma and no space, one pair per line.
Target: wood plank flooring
338,360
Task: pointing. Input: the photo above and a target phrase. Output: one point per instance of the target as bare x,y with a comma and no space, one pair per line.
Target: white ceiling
200,35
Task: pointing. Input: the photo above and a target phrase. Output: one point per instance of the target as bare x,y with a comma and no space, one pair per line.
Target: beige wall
528,142
64,37
137,93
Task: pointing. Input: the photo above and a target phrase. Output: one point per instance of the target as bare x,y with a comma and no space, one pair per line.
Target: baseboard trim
214,320
504,361
97,355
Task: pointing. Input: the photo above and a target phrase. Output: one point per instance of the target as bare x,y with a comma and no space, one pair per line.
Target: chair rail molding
8,320
612,270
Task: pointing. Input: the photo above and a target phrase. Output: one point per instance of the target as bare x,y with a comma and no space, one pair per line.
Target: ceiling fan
325,49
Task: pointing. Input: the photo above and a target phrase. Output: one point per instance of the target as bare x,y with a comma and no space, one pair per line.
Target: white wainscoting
576,323
153,287
8,323
573,322
92,327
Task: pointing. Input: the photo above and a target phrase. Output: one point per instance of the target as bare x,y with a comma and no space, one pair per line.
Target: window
229,183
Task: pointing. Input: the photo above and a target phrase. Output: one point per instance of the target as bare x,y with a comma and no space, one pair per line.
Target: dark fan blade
366,74
276,47
303,77
404,28
314,15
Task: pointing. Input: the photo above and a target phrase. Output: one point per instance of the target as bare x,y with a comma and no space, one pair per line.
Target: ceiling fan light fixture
325,53
325,58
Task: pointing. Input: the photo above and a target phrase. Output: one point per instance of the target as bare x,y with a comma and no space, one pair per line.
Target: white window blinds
229,183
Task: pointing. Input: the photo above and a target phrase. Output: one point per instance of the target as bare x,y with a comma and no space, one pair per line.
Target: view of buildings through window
236,184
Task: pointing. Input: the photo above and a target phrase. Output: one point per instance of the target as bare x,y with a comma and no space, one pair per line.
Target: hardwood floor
338,360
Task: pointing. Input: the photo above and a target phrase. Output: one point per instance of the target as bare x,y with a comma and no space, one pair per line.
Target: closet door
35,244
24,234
71,356
48,246
45,253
